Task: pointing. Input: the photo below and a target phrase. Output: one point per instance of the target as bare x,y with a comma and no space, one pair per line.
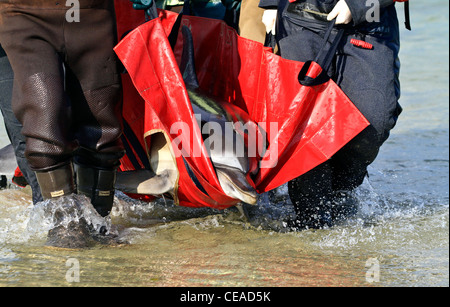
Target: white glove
341,12
269,20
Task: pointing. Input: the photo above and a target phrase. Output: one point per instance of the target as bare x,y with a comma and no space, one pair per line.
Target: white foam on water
21,222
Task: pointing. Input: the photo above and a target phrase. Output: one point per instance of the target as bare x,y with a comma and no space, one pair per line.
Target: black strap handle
324,58
407,16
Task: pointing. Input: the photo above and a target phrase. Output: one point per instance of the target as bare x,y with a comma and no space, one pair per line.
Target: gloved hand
147,5
141,4
269,20
341,12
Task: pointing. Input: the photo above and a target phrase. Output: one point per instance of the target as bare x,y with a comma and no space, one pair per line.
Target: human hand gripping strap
148,5
324,59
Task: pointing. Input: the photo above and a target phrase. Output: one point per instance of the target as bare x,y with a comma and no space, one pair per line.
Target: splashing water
63,211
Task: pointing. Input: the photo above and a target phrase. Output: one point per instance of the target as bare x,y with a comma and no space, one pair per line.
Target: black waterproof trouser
66,88
369,77
13,126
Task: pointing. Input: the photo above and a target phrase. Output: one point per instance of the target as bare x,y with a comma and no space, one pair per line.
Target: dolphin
226,149
230,159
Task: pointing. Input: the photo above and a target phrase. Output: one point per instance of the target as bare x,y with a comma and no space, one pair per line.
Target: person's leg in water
369,77
13,126
45,109
323,196
93,85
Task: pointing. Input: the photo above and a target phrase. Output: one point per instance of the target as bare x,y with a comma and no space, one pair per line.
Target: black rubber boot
311,214
317,213
98,185
311,194
58,182
344,205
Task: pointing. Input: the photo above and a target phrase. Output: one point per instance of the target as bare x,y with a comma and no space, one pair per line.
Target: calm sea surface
400,236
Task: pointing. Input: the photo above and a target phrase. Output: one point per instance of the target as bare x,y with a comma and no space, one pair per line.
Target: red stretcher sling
311,122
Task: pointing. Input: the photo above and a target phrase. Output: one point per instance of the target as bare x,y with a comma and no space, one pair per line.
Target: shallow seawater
406,243
399,237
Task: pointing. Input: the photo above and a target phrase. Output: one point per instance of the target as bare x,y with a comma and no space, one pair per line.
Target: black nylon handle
324,58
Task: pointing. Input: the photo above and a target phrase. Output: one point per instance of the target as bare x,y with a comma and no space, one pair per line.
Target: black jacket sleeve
359,9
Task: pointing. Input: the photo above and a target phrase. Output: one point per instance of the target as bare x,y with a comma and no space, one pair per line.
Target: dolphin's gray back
229,149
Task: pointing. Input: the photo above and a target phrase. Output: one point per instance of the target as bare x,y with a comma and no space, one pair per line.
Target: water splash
62,211
21,222
273,211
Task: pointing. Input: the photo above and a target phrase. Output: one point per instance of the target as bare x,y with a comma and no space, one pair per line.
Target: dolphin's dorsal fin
187,66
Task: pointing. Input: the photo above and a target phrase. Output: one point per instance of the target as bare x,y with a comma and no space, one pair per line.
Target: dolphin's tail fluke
187,66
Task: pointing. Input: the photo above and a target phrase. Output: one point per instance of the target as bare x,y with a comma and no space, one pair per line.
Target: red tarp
305,125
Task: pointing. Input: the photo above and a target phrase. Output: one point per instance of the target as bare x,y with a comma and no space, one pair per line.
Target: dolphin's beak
235,184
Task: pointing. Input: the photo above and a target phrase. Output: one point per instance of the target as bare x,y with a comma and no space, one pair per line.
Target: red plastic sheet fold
305,125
